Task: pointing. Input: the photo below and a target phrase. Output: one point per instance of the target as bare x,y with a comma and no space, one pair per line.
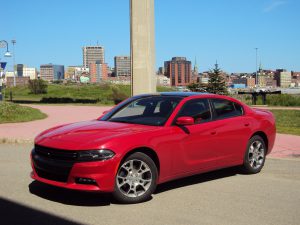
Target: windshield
153,110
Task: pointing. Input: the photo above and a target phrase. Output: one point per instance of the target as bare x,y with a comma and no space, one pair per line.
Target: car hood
88,134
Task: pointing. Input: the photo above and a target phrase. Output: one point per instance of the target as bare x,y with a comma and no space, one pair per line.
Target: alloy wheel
256,154
134,178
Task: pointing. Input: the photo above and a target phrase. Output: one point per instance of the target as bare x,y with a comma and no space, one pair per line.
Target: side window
239,109
198,109
225,108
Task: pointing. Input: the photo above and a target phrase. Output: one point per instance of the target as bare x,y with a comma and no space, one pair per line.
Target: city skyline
227,31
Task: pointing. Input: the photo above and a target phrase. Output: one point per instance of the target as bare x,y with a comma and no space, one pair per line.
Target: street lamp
14,61
256,78
4,44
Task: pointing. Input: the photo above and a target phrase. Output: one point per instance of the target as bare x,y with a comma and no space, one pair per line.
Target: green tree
216,83
38,86
197,87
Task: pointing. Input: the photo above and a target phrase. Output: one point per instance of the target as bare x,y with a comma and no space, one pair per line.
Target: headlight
94,155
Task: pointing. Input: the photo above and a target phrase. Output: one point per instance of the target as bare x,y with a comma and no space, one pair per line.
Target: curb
16,141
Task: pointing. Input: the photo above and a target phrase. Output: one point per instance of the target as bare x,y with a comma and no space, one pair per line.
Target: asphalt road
222,197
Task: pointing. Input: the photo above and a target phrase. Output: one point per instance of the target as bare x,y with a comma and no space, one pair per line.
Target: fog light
82,180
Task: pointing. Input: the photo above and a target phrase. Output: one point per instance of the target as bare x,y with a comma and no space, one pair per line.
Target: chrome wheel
256,154
134,178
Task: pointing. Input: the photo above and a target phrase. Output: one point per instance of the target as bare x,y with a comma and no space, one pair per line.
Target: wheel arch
147,151
263,136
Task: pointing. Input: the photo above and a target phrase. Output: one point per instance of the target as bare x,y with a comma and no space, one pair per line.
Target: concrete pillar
142,47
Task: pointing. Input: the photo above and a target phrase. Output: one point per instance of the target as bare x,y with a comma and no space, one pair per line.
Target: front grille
51,176
52,164
53,153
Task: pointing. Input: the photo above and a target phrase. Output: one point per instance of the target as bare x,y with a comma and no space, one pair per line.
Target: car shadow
196,179
16,213
69,197
80,198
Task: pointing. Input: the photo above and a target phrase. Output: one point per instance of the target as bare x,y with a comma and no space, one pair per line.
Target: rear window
226,109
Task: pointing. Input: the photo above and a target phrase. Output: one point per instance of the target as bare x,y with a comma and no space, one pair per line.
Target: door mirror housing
185,121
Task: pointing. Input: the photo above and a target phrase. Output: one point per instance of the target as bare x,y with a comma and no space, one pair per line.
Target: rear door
232,129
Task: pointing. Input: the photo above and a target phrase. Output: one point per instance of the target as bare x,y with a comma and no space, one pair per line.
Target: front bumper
65,174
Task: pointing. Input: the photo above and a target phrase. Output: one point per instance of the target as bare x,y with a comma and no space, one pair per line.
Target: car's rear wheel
135,179
255,155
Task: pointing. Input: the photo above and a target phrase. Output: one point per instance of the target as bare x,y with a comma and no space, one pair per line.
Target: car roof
175,93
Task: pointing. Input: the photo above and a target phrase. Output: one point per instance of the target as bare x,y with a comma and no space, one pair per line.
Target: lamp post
4,44
256,78
14,62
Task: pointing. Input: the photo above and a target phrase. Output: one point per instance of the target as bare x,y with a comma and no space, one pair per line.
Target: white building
162,80
9,74
30,72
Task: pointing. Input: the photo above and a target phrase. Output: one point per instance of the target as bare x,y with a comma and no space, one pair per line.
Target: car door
232,129
197,142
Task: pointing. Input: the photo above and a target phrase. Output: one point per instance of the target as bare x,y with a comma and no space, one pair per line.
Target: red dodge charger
150,139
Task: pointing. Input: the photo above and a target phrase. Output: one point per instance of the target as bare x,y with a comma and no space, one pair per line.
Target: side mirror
185,120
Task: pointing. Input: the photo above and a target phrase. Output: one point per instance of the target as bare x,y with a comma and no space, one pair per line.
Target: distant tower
91,54
195,72
196,67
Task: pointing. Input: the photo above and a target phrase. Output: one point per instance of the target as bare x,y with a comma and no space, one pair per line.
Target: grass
287,121
13,113
100,92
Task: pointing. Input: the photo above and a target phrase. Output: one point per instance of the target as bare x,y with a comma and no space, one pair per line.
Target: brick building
179,71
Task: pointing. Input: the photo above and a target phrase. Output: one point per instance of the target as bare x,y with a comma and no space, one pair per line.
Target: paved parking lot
222,197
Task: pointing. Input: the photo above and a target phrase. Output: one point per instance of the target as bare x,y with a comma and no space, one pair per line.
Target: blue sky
53,31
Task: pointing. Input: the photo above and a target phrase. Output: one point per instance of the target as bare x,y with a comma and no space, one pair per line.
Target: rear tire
255,155
136,179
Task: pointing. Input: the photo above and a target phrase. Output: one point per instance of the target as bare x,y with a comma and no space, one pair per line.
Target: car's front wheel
255,155
135,179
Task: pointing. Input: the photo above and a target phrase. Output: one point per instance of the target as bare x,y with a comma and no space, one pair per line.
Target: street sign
3,65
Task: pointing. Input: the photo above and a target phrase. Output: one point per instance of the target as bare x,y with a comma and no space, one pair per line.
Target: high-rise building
92,54
283,78
50,72
179,71
122,66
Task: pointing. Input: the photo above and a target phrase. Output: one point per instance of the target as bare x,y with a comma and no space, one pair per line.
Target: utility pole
256,78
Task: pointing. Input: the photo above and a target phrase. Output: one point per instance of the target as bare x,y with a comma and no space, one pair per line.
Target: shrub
67,100
283,100
117,96
38,86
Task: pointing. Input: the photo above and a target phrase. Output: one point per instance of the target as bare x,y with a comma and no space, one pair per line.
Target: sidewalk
276,107
285,145
56,115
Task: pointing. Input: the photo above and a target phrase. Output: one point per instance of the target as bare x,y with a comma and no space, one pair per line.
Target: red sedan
150,139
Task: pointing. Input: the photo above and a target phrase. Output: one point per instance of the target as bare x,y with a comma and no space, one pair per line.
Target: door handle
213,132
247,124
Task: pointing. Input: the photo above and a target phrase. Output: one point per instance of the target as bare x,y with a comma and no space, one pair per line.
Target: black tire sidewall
120,197
246,166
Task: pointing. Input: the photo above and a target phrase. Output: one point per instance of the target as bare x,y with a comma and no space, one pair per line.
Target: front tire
136,179
255,155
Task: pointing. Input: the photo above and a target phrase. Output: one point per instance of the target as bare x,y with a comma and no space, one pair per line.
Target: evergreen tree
216,83
197,87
